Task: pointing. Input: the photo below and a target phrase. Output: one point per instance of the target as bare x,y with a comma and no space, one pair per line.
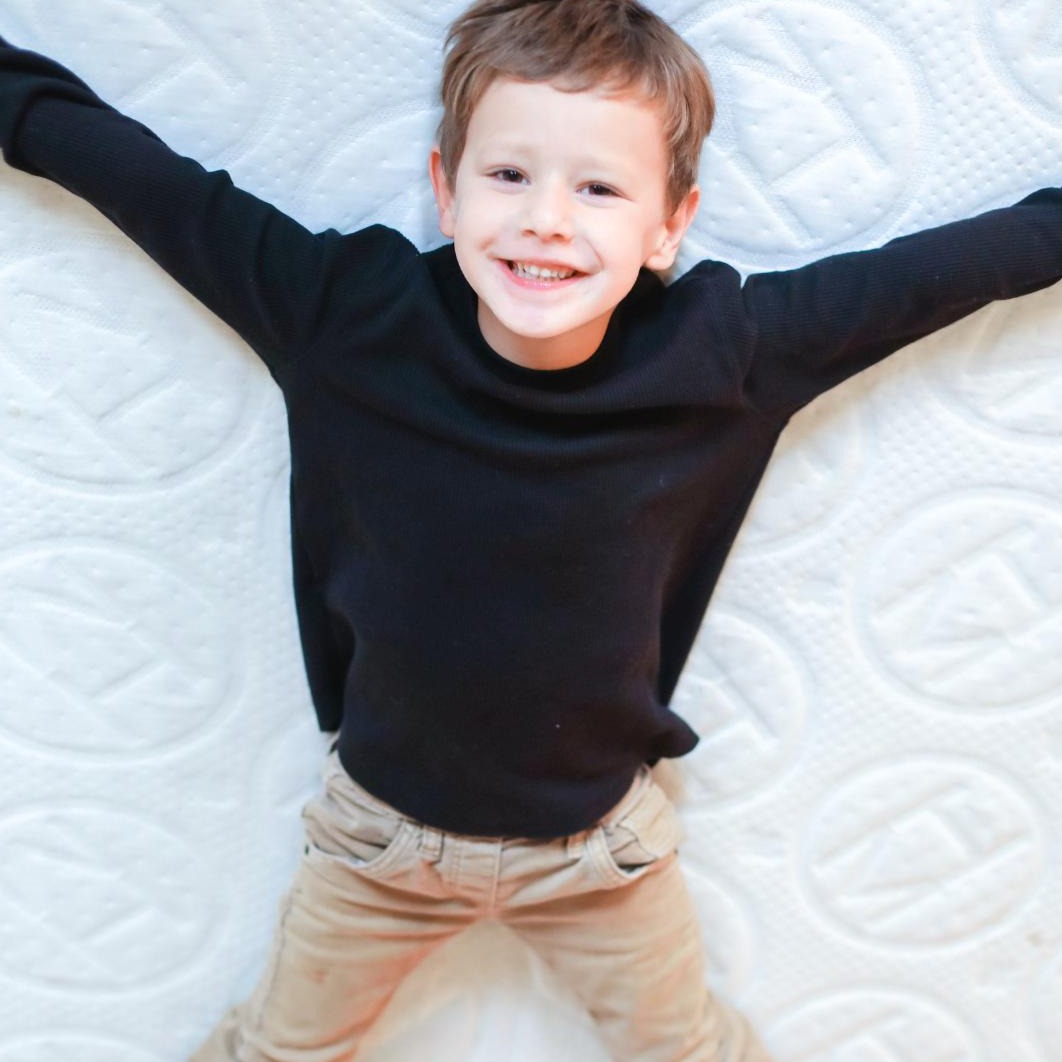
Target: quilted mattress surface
873,814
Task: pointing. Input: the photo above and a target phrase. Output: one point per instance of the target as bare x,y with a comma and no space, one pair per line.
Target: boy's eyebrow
503,147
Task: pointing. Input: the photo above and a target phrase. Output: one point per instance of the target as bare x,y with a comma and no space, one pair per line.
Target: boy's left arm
819,324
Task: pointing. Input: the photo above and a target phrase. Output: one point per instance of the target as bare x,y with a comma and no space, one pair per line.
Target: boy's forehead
522,108
612,136
625,92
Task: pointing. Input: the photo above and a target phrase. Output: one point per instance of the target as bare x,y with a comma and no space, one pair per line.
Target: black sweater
499,571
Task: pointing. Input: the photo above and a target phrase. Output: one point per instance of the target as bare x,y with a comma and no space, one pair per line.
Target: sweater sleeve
815,326
256,268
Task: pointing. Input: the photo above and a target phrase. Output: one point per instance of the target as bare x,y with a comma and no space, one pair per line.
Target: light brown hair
579,45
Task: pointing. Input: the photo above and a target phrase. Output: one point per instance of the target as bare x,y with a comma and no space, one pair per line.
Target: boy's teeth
533,272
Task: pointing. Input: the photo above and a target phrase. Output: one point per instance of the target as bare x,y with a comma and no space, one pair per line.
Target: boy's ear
674,228
444,196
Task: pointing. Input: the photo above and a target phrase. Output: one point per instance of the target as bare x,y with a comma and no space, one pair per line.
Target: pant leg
363,911
624,934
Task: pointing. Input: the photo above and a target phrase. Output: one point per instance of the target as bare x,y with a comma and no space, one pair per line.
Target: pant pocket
347,829
641,837
363,859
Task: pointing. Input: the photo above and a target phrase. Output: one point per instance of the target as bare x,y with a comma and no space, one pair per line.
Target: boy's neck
547,353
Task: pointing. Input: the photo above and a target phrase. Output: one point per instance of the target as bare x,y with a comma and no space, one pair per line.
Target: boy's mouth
526,271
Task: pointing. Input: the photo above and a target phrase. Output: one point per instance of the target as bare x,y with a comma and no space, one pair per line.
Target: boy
496,606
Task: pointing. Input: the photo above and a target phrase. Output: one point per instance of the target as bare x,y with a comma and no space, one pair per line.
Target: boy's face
559,199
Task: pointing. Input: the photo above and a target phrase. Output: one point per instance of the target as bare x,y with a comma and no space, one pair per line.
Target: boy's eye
599,189
509,176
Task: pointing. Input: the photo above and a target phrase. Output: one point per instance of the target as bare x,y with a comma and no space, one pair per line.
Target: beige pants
376,893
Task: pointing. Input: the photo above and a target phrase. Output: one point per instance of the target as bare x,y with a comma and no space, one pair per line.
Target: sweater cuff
25,78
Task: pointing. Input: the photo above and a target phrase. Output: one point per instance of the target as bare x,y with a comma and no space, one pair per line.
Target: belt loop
431,843
575,845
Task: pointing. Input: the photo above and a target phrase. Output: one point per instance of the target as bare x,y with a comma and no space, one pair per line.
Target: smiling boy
518,464
553,214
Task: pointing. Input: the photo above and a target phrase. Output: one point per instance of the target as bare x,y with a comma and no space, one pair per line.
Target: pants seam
254,1021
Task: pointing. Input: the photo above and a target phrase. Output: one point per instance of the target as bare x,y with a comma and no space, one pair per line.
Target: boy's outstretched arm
817,325
258,269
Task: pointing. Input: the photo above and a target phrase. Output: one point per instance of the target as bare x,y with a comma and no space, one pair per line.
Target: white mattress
873,813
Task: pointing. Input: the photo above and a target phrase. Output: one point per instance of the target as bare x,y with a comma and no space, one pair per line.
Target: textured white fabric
872,816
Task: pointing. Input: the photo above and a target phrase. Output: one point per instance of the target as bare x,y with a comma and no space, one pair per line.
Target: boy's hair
578,45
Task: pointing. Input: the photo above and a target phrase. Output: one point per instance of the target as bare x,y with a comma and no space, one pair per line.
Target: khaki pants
376,893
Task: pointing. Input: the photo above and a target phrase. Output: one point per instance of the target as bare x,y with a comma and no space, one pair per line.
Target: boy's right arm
259,270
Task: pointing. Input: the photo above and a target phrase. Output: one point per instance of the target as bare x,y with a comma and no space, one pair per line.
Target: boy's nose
547,213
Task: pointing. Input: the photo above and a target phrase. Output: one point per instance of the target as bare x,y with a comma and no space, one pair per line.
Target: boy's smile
558,201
